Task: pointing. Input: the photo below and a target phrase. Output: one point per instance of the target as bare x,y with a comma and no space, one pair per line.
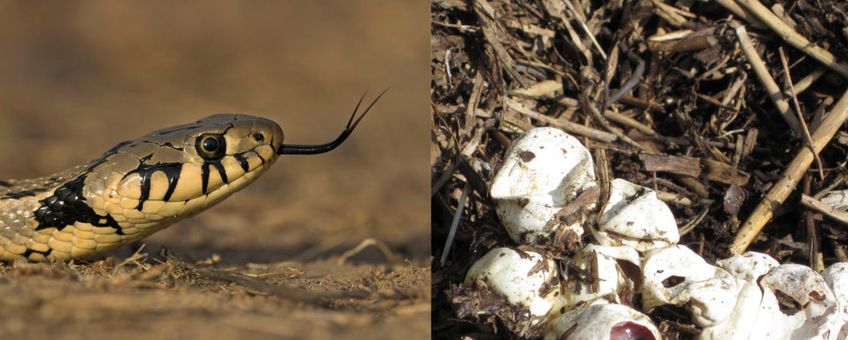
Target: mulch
705,102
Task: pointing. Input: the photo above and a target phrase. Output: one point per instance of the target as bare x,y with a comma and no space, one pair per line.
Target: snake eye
258,137
210,146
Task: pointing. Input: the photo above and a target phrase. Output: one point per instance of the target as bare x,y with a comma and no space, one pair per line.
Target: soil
280,258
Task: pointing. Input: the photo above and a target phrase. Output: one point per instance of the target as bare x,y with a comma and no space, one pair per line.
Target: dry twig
460,206
768,82
793,173
565,125
804,129
793,38
812,203
734,8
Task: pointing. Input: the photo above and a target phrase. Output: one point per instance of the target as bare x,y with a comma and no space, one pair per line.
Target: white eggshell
635,217
748,266
611,279
836,276
746,269
603,321
708,292
543,170
781,325
818,318
761,277
742,320
525,278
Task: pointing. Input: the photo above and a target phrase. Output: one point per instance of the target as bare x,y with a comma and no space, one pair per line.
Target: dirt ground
277,259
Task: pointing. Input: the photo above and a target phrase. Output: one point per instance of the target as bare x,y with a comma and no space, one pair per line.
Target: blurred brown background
78,77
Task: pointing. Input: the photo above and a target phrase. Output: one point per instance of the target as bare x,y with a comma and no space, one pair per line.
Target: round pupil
258,137
210,144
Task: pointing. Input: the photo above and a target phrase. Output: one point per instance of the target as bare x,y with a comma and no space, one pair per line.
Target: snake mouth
312,149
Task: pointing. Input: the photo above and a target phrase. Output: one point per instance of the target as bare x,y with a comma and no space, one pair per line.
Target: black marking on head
204,176
221,170
173,175
67,205
144,188
4,183
229,126
146,171
242,161
168,144
29,252
145,158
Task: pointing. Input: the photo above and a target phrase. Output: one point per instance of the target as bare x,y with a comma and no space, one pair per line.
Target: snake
143,185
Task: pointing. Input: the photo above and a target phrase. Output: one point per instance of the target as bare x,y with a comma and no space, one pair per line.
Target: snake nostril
258,137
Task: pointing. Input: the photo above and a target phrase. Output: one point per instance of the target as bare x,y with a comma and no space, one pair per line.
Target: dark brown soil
272,261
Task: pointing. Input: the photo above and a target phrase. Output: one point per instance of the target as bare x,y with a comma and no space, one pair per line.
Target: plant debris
690,98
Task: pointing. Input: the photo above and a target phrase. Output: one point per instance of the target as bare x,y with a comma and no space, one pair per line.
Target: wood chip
674,164
545,88
724,173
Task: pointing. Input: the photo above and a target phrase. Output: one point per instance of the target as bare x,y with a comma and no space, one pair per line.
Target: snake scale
142,185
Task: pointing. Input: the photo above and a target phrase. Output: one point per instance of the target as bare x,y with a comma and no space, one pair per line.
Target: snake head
145,184
179,171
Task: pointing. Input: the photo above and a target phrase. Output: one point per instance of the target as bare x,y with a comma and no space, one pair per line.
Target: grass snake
141,186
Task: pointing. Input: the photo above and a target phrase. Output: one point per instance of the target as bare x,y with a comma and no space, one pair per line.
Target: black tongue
307,149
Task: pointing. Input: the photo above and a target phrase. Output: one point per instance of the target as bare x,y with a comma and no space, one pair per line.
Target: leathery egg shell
818,316
746,269
748,266
815,310
634,217
525,278
676,275
602,321
615,270
836,277
544,169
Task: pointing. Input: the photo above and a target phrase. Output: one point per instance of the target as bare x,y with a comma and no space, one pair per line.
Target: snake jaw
310,149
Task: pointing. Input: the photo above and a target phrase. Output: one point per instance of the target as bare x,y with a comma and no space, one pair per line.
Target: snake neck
29,207
13,189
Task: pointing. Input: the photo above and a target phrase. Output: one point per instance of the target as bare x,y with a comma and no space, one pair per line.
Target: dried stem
565,125
804,129
793,173
812,203
793,38
765,78
734,8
